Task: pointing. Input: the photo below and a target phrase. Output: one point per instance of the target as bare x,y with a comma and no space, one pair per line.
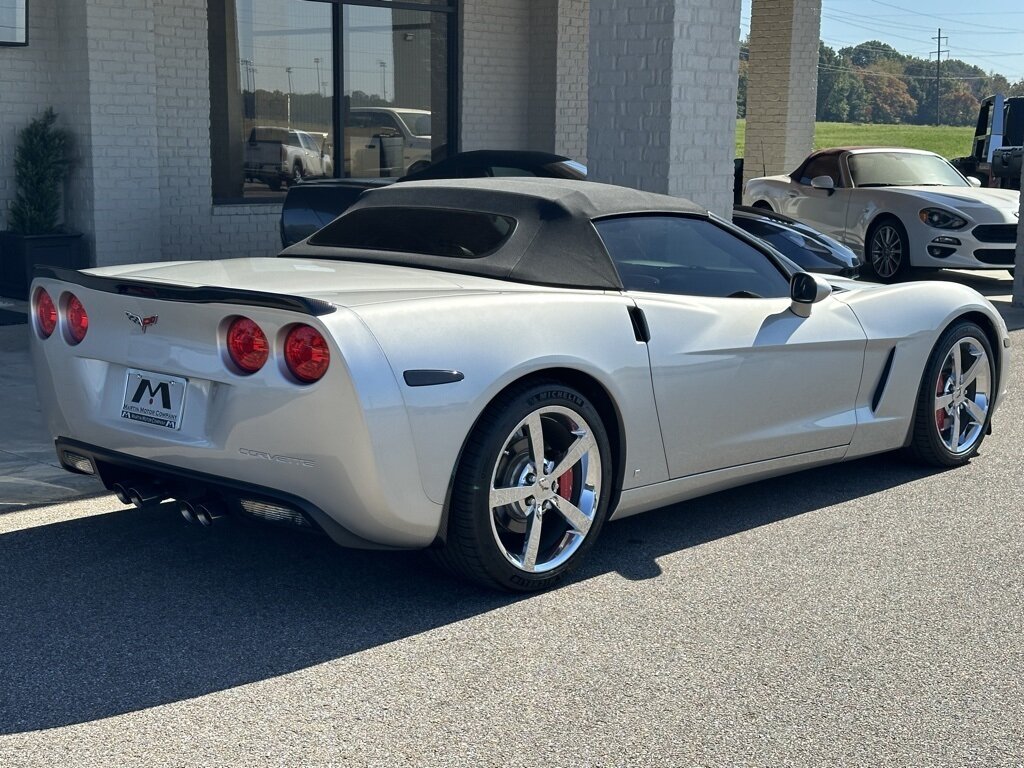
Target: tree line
874,83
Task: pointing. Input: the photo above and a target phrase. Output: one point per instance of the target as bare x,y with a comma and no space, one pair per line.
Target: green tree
871,52
887,97
959,105
834,81
42,159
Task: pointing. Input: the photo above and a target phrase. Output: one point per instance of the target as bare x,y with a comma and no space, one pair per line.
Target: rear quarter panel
496,340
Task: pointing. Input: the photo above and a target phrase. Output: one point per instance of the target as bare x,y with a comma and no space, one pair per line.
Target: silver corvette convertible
493,369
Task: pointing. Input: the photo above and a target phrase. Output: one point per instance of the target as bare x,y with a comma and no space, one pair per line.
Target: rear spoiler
200,294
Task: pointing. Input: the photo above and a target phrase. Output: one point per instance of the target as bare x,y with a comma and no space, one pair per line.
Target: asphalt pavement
869,613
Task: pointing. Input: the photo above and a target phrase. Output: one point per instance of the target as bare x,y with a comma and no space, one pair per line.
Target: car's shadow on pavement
119,612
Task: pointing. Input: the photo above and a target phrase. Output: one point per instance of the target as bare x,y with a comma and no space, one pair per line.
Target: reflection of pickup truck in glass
386,141
276,155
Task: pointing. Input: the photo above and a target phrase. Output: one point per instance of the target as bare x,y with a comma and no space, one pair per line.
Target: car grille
995,255
996,233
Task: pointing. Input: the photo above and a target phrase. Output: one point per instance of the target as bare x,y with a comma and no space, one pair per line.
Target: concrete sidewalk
29,473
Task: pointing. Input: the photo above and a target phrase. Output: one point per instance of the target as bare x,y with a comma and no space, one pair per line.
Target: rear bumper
185,484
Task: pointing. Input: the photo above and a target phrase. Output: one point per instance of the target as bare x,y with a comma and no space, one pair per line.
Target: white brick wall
122,101
572,79
130,79
495,74
782,85
663,96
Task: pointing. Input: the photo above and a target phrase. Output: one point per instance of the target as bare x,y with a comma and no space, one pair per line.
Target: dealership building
174,104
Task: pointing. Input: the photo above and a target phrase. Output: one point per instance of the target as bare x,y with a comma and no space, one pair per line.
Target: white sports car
897,209
493,369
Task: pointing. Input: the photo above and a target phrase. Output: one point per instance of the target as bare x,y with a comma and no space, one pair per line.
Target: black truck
998,145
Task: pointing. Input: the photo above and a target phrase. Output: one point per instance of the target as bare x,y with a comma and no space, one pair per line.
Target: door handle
791,193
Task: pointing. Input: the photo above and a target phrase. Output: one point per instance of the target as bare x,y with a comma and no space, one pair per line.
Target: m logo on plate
162,389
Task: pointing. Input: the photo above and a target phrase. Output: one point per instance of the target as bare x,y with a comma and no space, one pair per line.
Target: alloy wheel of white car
888,250
532,490
956,393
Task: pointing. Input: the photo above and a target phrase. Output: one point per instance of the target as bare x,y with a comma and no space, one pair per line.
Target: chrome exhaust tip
121,491
144,495
187,510
209,512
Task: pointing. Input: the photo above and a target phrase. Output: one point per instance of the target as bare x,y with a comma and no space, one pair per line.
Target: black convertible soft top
553,243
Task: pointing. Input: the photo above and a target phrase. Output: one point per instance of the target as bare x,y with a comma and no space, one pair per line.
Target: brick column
662,112
782,85
572,79
108,96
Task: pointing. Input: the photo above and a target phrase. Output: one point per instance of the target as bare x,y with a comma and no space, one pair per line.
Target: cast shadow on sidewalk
123,611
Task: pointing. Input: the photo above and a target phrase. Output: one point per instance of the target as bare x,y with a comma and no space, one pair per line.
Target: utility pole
938,69
288,70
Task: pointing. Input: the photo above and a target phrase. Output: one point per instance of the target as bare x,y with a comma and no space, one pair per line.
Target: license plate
154,398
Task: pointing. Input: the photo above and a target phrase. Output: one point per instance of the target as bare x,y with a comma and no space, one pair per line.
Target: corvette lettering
276,457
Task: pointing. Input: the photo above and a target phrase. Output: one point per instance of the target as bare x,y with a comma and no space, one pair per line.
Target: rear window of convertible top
429,231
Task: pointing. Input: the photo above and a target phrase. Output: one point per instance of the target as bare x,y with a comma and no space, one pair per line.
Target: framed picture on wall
13,22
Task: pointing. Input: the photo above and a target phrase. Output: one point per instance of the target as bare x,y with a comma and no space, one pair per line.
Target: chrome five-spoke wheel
531,491
954,405
963,391
545,488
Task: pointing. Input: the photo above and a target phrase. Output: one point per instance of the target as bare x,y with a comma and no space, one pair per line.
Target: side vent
883,380
640,329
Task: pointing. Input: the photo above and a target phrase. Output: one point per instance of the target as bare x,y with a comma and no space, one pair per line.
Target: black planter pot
19,255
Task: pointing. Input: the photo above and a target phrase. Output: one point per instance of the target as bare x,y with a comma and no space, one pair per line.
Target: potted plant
42,159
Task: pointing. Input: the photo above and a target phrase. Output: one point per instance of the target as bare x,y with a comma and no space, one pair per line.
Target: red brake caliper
565,485
940,414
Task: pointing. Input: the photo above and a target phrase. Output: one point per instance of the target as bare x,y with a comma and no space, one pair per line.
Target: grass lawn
946,140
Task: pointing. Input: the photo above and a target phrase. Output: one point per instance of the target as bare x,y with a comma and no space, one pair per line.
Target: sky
990,36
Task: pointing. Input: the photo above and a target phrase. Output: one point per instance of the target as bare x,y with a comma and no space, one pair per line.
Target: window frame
20,43
777,260
452,138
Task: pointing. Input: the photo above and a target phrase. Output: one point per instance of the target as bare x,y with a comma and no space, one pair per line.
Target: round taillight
46,313
247,344
306,354
78,319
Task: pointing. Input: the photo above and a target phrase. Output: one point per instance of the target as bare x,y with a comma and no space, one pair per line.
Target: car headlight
942,219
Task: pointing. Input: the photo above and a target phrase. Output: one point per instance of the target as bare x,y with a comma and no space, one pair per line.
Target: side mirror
824,182
974,181
806,289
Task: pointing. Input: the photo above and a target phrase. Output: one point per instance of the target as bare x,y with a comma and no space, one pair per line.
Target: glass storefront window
275,105
273,110
395,90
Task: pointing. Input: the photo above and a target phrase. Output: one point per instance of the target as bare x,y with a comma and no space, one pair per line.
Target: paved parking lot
865,614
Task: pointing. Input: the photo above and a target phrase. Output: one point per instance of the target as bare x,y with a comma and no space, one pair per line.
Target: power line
863,72
940,18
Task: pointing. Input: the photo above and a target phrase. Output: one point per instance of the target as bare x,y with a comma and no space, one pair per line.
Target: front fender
909,318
